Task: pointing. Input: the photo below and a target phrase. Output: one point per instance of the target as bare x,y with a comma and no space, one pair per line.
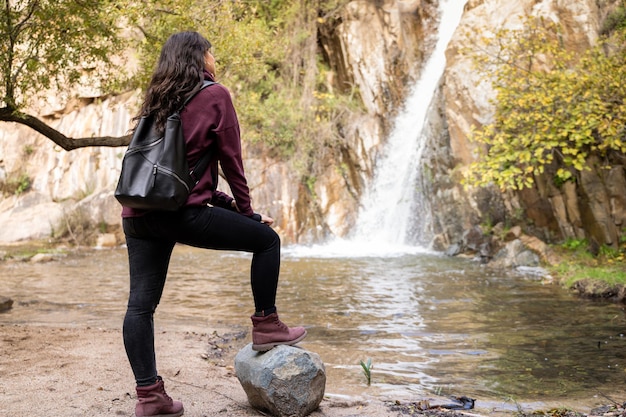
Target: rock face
591,207
379,47
63,185
285,381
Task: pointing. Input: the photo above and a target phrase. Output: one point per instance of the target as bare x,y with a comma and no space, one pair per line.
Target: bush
554,107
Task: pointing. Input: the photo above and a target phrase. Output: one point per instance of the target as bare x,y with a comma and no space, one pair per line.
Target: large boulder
285,381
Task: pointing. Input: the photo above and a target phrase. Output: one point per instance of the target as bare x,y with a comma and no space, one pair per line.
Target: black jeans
150,240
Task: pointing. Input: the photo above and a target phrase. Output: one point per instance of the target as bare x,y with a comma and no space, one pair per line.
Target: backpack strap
200,166
198,169
204,85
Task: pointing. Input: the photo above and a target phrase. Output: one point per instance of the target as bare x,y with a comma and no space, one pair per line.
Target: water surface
430,324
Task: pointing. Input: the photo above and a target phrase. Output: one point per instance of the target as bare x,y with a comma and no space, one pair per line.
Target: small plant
614,21
575,244
612,255
16,185
23,184
310,184
76,227
487,225
367,370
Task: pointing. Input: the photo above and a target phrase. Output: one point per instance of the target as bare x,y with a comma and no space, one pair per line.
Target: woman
210,219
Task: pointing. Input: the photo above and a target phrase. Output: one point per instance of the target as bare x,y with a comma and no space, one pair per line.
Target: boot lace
167,397
280,324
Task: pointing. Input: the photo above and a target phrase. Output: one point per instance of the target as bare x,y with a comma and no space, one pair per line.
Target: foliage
615,21
612,274
24,251
577,263
243,45
266,53
49,43
575,244
247,53
554,107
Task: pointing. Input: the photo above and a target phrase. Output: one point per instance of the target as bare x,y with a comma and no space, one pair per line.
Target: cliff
591,208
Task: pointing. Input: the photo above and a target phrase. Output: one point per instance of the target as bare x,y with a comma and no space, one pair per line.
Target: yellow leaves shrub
552,106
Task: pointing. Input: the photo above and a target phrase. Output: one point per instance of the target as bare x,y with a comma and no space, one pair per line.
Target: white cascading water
387,207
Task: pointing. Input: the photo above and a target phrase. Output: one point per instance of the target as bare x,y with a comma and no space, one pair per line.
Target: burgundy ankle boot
268,332
153,401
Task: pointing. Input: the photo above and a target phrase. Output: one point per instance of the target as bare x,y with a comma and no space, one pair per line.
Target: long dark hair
179,71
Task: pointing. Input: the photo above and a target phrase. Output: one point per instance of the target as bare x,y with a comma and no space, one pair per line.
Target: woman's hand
267,220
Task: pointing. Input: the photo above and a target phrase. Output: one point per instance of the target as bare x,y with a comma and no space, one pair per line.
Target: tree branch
8,114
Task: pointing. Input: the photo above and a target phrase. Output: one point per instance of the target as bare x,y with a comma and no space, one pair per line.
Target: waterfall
389,205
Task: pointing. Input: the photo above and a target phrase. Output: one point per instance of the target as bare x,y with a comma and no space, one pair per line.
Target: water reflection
430,324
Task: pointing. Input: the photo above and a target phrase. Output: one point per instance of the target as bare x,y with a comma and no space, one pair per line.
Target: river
432,325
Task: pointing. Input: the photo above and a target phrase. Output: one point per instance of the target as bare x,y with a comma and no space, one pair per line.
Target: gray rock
5,303
515,254
453,249
473,238
285,381
42,257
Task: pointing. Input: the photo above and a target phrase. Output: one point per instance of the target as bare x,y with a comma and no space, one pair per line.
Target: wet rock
453,250
498,229
5,303
539,247
286,381
474,239
514,233
42,257
614,409
591,288
106,240
514,254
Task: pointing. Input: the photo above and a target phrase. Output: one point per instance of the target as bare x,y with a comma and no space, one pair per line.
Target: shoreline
70,371
55,371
